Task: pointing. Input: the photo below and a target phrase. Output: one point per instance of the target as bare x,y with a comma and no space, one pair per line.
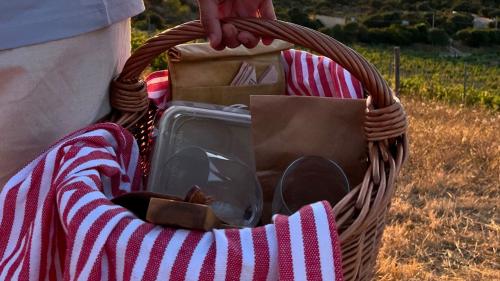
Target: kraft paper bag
285,128
199,73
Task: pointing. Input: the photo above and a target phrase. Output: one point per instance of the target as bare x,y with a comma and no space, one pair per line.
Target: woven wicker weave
360,216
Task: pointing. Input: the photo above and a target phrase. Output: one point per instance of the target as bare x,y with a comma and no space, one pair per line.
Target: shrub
458,22
336,32
467,6
438,36
478,37
424,6
382,20
418,33
299,17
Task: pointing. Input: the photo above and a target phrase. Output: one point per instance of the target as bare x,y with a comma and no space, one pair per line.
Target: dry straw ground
444,222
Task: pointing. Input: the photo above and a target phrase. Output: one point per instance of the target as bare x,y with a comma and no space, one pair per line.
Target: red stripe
82,160
346,94
314,91
74,225
299,72
156,255
322,77
337,256
81,190
8,217
29,209
48,219
290,80
310,242
91,237
285,260
133,248
184,256
358,87
207,272
157,74
96,272
335,80
58,249
261,254
23,254
110,247
158,86
234,255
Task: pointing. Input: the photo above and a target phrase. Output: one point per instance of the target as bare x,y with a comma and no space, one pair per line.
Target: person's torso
27,22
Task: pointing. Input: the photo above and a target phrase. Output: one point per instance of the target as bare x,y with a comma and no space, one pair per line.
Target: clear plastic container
209,146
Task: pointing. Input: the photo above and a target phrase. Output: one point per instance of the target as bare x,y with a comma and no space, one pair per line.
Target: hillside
473,23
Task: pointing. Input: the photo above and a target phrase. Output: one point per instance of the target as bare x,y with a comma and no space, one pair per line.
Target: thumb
209,12
266,10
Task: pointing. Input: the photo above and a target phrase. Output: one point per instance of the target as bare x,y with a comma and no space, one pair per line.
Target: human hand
223,35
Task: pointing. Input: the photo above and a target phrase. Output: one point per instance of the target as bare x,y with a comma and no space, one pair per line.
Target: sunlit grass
444,222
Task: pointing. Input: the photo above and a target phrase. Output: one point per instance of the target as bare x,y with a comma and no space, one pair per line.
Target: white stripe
104,267
272,244
121,247
286,69
171,252
221,244
81,232
315,60
74,178
324,241
337,76
297,246
144,253
15,276
64,200
7,266
81,178
348,80
156,94
101,239
18,216
247,253
51,245
198,257
92,164
294,76
23,260
305,73
328,76
84,151
159,79
84,200
132,166
43,190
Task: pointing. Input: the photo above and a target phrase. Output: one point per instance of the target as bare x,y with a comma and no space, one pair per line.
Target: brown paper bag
202,74
285,128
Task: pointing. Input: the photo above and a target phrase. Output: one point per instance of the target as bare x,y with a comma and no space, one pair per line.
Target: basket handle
385,117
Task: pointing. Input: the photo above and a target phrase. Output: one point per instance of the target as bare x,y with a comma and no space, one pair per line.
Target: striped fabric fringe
306,75
57,223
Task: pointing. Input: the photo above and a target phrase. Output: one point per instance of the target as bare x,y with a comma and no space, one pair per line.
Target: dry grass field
444,222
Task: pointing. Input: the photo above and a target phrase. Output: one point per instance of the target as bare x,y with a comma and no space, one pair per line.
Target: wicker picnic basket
361,215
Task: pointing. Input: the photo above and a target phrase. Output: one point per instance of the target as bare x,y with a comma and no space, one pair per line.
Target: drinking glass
307,180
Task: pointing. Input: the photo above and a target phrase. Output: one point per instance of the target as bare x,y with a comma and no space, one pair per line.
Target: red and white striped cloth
306,75
57,223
